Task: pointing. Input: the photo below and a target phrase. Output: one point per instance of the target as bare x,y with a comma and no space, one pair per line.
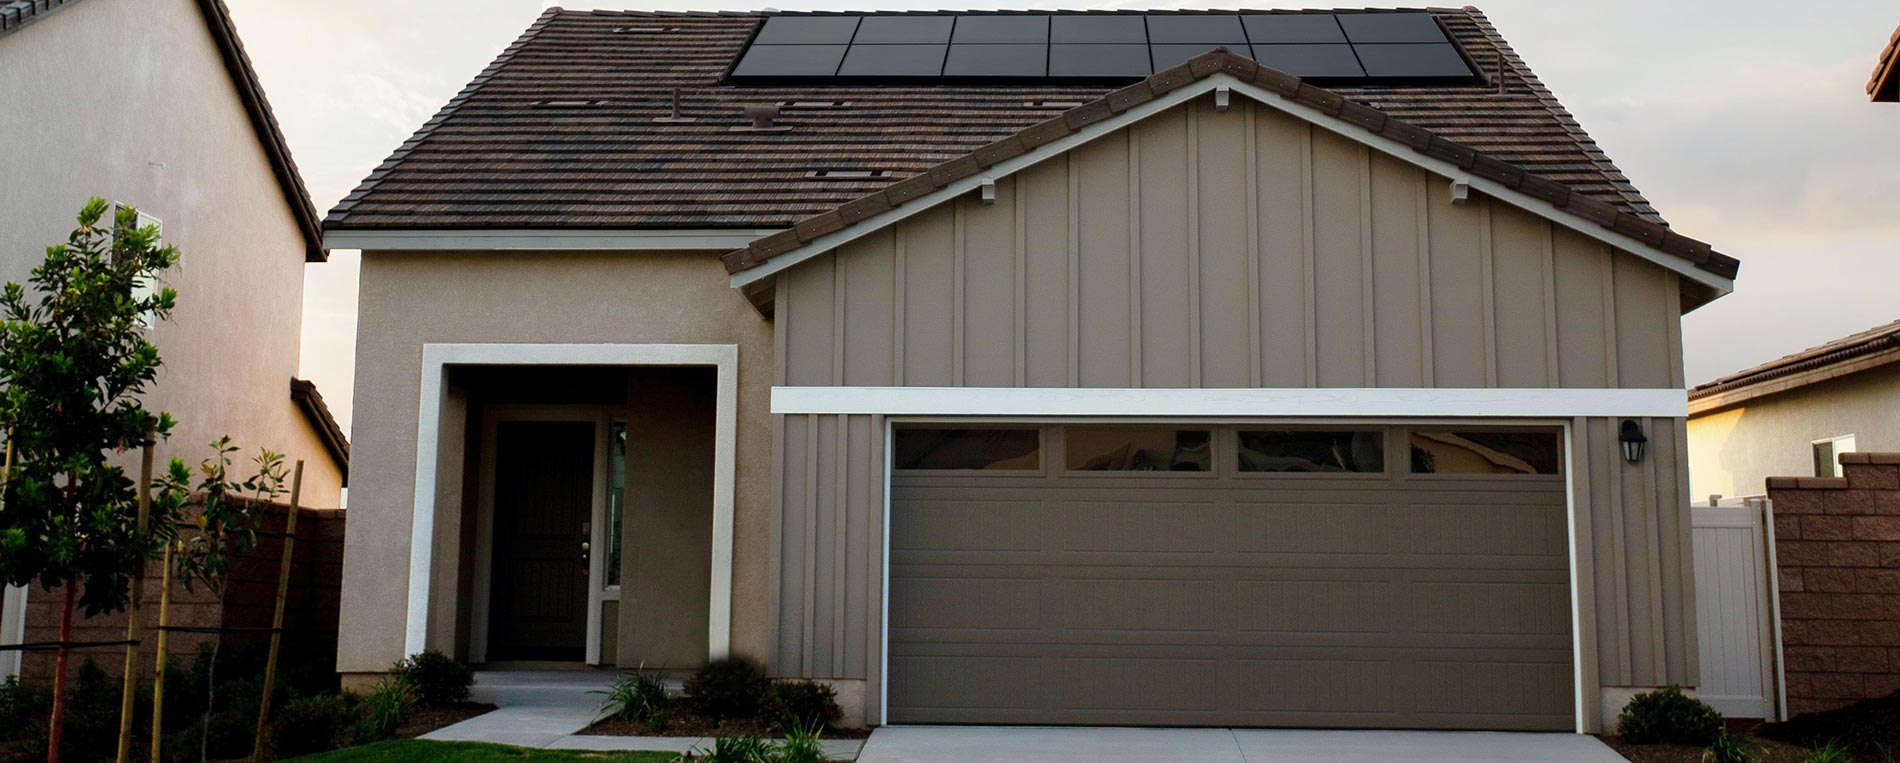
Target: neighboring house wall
412,298
1734,450
1837,545
131,102
1133,261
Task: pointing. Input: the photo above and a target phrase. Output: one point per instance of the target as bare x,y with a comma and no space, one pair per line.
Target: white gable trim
1273,100
1391,402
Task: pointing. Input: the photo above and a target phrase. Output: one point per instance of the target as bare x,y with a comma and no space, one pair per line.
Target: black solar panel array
1398,47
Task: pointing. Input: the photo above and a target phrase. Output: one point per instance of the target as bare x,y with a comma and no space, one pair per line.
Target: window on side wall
1827,454
146,288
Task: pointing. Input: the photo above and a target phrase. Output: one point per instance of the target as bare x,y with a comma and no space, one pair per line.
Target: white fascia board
1271,99
524,239
1236,403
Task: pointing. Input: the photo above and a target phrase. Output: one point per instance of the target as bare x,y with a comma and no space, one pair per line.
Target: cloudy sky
1744,122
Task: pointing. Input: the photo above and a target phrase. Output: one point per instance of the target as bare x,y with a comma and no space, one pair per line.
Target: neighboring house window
146,288
616,498
1827,454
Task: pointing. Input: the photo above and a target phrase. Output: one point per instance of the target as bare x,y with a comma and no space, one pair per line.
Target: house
989,365
1883,86
1796,415
154,105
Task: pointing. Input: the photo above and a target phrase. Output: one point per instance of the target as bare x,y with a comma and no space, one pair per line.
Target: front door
544,480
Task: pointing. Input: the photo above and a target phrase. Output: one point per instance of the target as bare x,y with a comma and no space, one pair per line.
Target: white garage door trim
1570,516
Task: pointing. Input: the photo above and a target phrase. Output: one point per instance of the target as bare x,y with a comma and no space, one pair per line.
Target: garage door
1377,577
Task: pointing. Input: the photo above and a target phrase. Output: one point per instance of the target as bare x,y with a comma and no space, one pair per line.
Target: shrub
807,705
738,749
313,724
437,678
801,745
22,705
732,687
1832,752
640,697
385,709
1729,748
1667,716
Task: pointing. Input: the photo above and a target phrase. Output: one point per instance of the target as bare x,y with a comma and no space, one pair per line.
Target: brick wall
310,612
1837,541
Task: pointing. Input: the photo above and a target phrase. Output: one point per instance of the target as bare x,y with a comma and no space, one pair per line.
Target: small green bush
1667,716
314,724
801,745
385,709
801,704
1729,748
640,697
1831,752
437,678
21,705
733,687
738,749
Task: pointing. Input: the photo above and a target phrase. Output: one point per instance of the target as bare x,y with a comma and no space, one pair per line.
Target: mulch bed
686,723
1770,752
1871,727
430,718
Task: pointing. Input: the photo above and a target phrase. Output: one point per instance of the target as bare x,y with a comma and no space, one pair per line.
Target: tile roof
1220,61
17,14
1884,85
1842,350
566,128
317,414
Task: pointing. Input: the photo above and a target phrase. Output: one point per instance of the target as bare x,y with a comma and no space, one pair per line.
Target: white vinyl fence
1737,611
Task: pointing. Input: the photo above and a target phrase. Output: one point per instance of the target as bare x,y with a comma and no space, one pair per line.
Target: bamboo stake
259,753
158,675
132,614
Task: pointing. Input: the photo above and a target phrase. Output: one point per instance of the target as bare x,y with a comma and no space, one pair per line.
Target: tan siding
1518,293
1459,346
1046,303
1339,275
866,271
1583,345
1397,196
1224,261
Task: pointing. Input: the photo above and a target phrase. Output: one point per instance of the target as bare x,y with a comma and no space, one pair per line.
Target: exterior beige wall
1734,450
1206,249
412,298
130,102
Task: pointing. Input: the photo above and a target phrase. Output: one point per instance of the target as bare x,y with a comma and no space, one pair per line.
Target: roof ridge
1568,121
1883,336
1329,102
341,211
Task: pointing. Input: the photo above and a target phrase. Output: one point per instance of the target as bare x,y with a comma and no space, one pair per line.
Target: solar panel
807,30
1411,60
1006,60
1195,29
790,61
1099,61
1310,60
1369,48
1097,29
895,30
1391,27
1293,27
893,61
1001,29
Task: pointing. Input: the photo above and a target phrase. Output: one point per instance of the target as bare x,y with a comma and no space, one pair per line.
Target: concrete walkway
548,708
962,744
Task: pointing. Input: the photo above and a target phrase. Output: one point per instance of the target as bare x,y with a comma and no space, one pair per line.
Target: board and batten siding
1226,249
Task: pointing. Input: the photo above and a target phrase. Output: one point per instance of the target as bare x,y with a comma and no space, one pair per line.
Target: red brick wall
1837,541
310,611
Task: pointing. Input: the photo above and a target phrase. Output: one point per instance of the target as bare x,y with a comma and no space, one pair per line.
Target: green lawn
419,751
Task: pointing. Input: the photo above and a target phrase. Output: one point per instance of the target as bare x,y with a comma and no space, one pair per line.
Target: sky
1744,122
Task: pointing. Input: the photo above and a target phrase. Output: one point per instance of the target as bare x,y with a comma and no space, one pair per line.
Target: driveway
964,744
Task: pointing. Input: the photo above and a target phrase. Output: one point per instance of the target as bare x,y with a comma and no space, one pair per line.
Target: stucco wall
129,101
412,298
1734,450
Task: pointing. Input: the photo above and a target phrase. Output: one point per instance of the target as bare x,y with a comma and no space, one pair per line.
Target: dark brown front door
544,482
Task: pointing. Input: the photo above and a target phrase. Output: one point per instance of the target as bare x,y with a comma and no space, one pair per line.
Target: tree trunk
56,734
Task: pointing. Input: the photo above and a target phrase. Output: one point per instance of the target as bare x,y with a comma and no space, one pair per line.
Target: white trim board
1382,403
578,239
435,360
1272,100
12,627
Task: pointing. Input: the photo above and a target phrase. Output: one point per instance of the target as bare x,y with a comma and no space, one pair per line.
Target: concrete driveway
965,744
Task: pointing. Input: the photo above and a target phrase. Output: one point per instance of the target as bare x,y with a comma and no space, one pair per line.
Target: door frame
601,416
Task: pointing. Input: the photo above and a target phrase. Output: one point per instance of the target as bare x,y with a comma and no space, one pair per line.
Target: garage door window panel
961,450
1138,449
1485,452
1287,452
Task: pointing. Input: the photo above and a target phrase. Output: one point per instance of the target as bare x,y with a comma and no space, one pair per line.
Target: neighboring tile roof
1479,163
317,413
511,151
1884,85
1839,351
17,14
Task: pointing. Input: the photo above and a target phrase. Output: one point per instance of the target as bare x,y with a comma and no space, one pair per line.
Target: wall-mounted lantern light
1634,442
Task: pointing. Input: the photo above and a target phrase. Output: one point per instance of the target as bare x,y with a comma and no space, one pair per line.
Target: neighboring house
153,104
1796,415
974,366
1883,86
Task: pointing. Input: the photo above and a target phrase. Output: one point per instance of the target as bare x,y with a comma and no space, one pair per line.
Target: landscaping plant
1729,748
738,749
1667,716
1832,752
801,745
314,724
730,687
801,704
640,697
385,709
74,362
438,679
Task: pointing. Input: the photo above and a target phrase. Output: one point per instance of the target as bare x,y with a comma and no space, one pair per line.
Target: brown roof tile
1876,339
507,153
1884,85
